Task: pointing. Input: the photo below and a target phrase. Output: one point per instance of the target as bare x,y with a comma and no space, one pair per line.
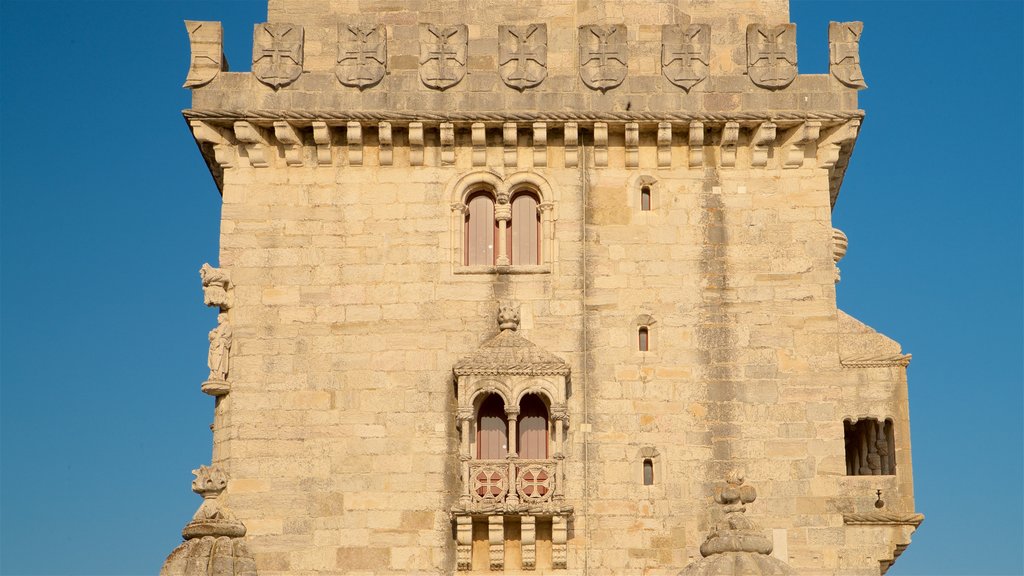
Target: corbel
478,133
540,144
696,142
256,141
447,143
664,144
354,137
797,142
384,141
632,144
292,140
600,143
416,143
571,144
223,151
830,146
322,139
764,136
510,134
730,137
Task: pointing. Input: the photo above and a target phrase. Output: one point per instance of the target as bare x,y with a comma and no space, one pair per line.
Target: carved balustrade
512,485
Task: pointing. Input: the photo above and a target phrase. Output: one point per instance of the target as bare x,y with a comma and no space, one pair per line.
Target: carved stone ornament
443,52
277,53
508,316
844,53
207,42
216,283
213,543
362,55
219,357
603,56
523,55
735,545
685,54
771,54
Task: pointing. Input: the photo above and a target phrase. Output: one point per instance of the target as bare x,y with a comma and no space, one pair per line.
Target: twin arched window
485,244
493,427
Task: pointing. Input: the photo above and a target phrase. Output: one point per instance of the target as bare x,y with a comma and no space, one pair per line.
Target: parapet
615,62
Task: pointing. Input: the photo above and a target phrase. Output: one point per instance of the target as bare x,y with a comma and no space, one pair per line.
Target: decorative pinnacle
210,481
734,494
508,316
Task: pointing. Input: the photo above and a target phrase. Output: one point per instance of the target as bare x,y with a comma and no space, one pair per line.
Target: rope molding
909,519
466,117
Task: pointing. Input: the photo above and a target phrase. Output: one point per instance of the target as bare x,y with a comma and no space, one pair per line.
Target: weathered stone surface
363,346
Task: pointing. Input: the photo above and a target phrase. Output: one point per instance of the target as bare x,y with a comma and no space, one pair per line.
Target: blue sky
107,212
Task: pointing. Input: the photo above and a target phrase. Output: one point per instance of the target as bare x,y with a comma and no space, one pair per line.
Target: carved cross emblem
685,54
603,56
277,53
489,484
206,40
771,54
844,52
523,55
534,483
362,55
443,55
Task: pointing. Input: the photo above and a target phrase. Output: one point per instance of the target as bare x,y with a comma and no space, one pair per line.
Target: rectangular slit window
644,339
645,198
648,472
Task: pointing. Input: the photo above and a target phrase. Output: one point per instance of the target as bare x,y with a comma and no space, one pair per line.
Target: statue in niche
220,347
216,282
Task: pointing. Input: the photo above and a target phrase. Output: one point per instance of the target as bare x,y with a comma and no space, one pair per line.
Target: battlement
389,69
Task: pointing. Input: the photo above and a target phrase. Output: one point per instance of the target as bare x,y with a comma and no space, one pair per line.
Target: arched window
533,428
481,230
524,233
492,429
648,472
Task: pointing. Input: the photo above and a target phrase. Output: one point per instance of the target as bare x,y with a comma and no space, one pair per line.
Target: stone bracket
322,139
354,138
632,145
600,144
760,143
447,133
730,137
256,142
696,141
292,140
664,144
572,144
223,147
416,143
385,143
830,146
796,143
478,134
540,144
510,136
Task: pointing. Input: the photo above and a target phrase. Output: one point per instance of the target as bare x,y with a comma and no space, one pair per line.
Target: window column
503,214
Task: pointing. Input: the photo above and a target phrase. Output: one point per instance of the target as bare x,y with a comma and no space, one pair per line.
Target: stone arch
526,180
459,189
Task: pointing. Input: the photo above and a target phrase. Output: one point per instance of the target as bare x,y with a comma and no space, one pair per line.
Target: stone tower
515,286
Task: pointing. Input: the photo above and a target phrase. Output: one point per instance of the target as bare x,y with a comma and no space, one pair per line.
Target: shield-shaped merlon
207,42
771,54
844,53
685,53
603,55
277,53
362,55
523,55
443,52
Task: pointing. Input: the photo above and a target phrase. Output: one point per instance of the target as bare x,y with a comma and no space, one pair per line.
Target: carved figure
603,56
207,42
220,348
844,53
685,54
523,55
277,53
215,286
771,54
443,53
508,316
362,55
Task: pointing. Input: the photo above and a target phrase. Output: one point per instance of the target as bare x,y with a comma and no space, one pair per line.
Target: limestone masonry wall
692,200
